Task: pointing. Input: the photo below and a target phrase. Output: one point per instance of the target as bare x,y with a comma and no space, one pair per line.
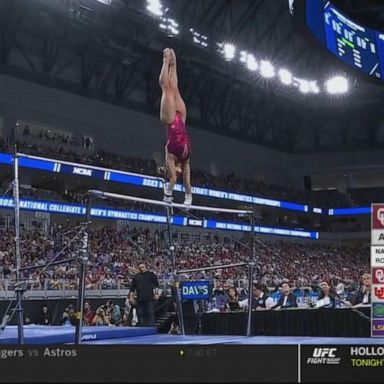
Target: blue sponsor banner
44,206
44,165
6,158
213,224
196,290
81,171
294,206
349,211
134,179
109,213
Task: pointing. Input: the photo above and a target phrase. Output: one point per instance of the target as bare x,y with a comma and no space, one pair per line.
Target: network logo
378,310
324,356
378,275
378,216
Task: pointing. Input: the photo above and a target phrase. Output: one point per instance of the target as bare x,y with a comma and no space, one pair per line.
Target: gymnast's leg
186,168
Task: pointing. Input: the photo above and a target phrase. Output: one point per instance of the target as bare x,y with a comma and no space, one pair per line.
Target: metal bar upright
175,275
19,290
83,260
251,265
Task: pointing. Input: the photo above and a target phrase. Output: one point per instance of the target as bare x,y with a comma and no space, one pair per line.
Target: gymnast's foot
172,57
168,197
167,55
188,199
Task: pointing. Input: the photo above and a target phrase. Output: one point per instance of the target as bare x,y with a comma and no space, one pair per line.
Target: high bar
214,267
164,204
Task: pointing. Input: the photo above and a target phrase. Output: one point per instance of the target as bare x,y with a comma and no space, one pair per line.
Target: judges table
341,322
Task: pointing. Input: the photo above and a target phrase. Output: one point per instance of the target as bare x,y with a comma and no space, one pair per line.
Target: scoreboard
353,43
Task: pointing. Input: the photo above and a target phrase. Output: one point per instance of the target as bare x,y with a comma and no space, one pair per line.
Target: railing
64,288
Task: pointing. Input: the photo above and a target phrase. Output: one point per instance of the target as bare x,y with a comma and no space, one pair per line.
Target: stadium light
155,7
266,69
337,85
285,76
229,51
249,60
169,26
314,87
251,63
304,86
199,38
106,2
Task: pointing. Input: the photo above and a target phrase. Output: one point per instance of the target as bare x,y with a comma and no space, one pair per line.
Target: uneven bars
163,203
215,267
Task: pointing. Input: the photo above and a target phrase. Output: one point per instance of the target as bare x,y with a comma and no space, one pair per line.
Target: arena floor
254,340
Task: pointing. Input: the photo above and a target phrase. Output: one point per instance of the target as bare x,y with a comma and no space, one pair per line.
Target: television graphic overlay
377,230
378,310
377,270
378,275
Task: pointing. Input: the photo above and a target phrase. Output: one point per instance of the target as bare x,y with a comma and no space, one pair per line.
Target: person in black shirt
233,300
287,299
327,296
363,296
145,285
45,317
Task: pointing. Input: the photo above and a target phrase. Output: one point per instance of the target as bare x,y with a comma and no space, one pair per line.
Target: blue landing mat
206,340
40,334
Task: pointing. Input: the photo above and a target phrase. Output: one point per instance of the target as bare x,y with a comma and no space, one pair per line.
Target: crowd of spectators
114,255
108,313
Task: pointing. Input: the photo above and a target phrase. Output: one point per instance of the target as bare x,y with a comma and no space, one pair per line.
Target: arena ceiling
113,53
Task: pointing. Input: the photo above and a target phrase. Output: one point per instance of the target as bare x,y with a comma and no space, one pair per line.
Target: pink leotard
178,141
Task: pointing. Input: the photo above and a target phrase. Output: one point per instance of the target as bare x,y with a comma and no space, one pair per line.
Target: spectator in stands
173,114
220,297
260,300
114,312
101,317
88,314
145,284
69,316
327,296
363,296
232,303
108,282
90,281
45,317
125,320
287,299
175,329
351,295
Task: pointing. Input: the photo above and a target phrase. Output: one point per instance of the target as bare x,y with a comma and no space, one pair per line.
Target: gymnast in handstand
173,114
